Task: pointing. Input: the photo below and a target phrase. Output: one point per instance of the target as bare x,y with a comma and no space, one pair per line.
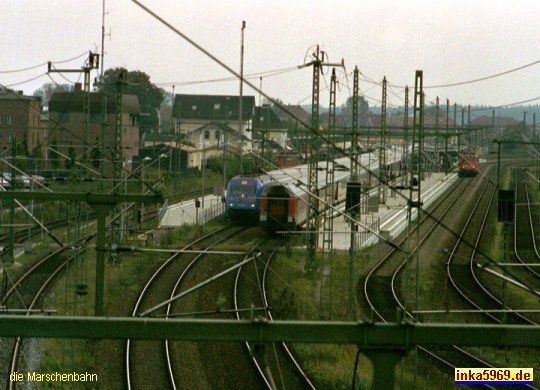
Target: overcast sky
451,41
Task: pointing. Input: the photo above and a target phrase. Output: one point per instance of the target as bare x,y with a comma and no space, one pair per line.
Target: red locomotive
468,166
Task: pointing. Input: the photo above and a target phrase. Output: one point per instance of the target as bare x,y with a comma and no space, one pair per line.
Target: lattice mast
437,128
330,185
382,147
117,161
328,225
415,202
405,153
446,136
91,63
355,176
355,167
312,210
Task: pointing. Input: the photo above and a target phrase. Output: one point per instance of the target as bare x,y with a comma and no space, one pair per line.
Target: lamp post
145,161
203,163
227,99
240,130
162,155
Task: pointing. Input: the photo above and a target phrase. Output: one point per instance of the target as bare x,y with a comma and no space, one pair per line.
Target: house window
217,135
8,120
217,106
193,108
207,134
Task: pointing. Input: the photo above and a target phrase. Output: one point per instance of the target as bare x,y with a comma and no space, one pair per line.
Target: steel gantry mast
415,180
355,176
312,210
91,64
325,308
312,221
382,147
412,273
118,167
355,167
405,150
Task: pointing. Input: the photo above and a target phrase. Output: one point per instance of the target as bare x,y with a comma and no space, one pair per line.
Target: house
498,121
212,120
21,120
269,133
82,125
293,113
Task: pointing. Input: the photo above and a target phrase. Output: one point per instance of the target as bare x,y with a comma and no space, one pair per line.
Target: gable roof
296,110
266,118
9,94
486,120
212,107
74,102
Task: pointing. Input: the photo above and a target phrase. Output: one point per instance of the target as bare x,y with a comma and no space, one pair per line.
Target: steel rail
270,317
136,308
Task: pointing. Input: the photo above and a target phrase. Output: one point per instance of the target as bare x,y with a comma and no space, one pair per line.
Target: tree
47,90
136,83
363,107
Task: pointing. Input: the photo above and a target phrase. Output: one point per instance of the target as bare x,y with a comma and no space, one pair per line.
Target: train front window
242,190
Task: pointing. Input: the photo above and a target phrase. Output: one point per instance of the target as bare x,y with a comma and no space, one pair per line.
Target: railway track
188,365
381,287
387,283
274,361
26,297
525,249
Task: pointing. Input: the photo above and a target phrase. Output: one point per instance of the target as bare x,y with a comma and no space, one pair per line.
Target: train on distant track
468,165
243,197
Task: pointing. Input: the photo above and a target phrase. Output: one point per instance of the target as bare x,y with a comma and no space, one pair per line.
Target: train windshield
242,190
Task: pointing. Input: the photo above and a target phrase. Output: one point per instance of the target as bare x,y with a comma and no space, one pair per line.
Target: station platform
185,213
391,218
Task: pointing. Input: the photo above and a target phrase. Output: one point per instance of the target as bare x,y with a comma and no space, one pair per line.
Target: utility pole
415,201
103,39
240,120
91,63
405,156
355,175
312,222
118,160
469,137
437,159
446,157
325,307
312,211
382,147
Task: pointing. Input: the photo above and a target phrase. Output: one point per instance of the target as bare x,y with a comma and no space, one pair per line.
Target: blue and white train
243,197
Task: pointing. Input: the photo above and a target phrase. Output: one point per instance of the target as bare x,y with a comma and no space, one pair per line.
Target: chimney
78,87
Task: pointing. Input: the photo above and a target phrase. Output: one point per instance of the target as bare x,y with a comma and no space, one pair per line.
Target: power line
250,76
484,78
25,81
41,65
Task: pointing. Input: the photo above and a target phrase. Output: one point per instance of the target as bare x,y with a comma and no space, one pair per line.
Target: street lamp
162,155
145,161
203,163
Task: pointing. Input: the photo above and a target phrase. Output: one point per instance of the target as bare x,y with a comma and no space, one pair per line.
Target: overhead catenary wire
316,132
41,65
269,73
